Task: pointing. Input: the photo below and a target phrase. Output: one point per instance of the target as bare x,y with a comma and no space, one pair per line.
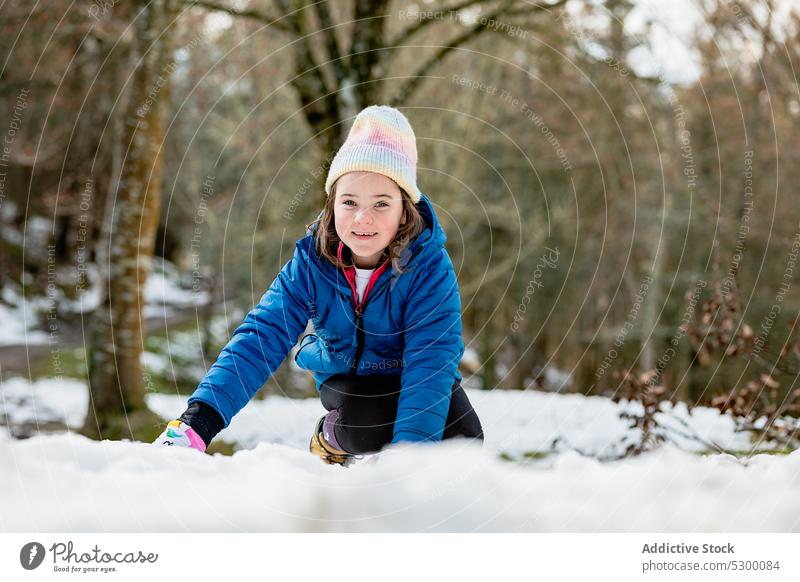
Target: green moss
71,363
67,363
140,425
526,456
745,453
536,455
222,448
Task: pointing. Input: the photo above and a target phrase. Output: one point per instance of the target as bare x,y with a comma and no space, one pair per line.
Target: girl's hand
180,434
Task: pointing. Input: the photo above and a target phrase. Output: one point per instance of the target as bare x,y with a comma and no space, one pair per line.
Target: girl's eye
382,204
347,203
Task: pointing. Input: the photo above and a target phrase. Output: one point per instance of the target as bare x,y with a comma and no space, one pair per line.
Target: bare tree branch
364,80
410,31
424,22
257,15
331,42
319,102
419,75
305,62
774,362
483,24
536,8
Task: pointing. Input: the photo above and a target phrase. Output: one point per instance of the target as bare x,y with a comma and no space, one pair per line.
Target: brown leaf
769,381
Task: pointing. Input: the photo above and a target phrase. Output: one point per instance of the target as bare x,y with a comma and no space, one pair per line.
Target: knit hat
381,141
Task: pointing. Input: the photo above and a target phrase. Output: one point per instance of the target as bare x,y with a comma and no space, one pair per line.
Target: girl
373,276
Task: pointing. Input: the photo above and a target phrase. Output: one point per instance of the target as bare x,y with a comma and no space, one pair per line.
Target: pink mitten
180,434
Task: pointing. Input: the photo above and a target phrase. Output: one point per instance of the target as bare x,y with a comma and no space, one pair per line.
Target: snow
88,297
514,422
19,317
47,400
164,288
69,483
23,318
556,380
155,363
65,482
181,354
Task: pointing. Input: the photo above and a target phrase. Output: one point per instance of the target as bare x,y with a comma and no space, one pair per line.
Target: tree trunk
117,407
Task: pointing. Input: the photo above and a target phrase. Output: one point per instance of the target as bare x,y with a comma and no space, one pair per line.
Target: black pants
367,408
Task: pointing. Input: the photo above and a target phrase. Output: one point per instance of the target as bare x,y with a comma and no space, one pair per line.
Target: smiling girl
374,277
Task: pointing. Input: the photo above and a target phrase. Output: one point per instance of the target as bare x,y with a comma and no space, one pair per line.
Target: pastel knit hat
381,141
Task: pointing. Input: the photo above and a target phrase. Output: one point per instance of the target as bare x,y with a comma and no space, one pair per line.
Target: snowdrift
64,482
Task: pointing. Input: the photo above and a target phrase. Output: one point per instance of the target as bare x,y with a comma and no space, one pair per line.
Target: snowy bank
514,422
69,483
65,482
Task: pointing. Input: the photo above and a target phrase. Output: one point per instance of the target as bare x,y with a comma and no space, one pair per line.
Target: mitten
180,434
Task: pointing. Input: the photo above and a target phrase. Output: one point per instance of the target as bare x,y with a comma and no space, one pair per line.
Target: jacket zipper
359,313
359,341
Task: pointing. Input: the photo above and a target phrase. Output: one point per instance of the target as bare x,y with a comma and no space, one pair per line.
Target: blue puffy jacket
409,324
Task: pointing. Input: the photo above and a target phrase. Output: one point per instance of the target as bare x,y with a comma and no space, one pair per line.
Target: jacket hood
433,236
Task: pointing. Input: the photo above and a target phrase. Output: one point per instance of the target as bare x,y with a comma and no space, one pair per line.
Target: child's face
370,203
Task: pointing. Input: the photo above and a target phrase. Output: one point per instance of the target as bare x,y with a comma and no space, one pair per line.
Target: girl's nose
363,216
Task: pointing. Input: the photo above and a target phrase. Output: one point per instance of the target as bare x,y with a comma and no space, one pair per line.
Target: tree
334,78
117,388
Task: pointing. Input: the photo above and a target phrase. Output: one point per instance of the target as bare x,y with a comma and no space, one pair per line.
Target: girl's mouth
364,235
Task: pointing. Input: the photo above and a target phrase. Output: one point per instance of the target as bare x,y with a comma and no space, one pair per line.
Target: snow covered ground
165,289
19,318
23,318
64,482
514,422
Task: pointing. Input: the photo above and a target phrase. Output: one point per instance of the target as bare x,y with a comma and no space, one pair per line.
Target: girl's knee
364,439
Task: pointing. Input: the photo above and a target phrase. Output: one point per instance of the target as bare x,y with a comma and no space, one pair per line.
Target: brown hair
327,241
